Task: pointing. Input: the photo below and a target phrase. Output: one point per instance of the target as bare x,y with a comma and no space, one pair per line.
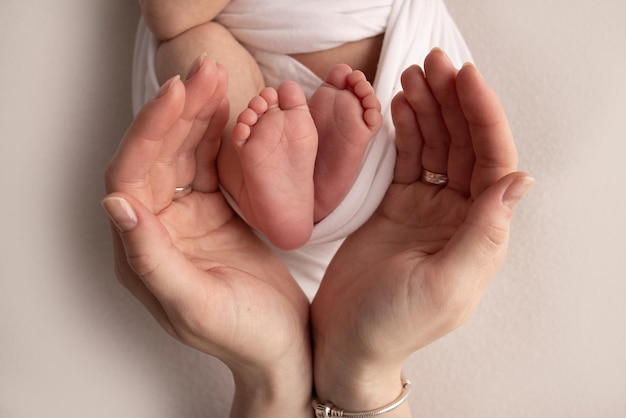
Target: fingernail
195,67
166,87
472,66
442,52
468,64
120,212
516,191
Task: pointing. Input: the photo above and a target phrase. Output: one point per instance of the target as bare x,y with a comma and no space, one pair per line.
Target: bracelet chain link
328,410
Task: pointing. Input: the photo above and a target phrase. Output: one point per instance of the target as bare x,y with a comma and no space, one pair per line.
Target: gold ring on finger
438,179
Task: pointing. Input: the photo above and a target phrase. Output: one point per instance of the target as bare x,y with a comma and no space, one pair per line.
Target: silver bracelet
328,410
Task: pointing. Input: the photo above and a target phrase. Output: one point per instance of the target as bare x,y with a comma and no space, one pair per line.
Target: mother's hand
416,270
200,271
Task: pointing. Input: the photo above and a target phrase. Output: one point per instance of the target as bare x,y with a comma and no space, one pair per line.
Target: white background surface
548,340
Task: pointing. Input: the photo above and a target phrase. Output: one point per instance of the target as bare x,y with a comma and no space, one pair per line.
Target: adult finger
441,76
428,113
492,139
206,85
409,141
130,168
206,179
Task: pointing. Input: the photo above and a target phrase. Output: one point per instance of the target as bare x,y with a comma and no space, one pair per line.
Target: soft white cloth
297,26
273,28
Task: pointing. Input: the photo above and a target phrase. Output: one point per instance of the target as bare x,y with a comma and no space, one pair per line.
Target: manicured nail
120,212
166,87
195,67
516,191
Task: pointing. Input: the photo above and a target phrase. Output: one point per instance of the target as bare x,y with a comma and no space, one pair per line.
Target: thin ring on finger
437,179
182,191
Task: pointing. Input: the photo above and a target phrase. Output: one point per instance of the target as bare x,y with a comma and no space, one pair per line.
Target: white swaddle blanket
273,28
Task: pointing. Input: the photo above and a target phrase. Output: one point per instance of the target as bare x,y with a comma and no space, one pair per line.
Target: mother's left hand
201,272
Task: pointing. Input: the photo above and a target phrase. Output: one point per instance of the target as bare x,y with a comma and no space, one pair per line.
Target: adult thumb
479,247
121,213
147,245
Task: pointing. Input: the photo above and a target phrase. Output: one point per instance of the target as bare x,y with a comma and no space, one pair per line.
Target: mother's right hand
201,272
419,266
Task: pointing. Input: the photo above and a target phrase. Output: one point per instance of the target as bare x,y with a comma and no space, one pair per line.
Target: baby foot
276,141
347,116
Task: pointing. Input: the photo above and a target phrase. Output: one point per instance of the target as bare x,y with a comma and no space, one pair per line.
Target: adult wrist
282,388
357,384
272,393
353,394
328,409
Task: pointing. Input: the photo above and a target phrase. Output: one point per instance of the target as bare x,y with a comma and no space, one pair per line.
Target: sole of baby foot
347,116
276,141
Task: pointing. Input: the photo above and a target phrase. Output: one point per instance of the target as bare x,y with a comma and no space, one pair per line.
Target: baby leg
347,116
276,141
